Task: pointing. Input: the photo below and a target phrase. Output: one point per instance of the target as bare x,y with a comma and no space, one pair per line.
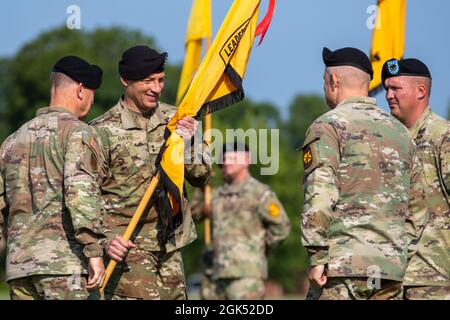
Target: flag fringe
227,100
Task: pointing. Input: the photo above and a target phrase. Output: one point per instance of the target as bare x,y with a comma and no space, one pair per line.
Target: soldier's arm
82,192
104,165
417,214
321,161
198,168
445,162
104,159
274,218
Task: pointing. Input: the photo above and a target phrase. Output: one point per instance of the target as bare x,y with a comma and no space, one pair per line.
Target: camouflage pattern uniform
50,173
363,197
248,220
131,143
2,207
357,289
428,273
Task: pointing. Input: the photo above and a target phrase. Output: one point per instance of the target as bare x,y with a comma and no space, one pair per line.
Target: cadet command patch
274,210
307,158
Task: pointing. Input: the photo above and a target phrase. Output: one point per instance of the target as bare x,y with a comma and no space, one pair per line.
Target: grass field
4,294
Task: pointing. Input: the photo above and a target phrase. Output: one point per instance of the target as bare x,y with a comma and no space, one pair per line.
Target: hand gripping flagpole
132,226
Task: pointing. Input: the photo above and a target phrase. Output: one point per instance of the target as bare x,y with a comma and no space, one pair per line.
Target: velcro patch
274,210
307,157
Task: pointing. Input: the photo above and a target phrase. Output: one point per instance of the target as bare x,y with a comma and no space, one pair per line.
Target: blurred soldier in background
248,221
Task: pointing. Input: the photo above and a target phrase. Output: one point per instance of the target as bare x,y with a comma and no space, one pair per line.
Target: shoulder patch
307,157
274,210
94,163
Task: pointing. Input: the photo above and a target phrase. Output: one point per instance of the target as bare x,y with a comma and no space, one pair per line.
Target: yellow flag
198,31
388,37
216,84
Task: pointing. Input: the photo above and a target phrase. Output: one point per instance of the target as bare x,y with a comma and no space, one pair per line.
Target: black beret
80,70
141,61
347,57
406,67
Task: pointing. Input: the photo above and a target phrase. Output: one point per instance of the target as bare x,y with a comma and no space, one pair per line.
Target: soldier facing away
50,188
408,87
363,193
132,133
248,221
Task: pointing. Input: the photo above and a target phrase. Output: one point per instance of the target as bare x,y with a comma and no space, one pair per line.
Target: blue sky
287,63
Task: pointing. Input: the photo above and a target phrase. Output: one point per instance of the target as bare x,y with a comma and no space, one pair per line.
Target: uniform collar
235,187
136,120
53,109
414,130
365,100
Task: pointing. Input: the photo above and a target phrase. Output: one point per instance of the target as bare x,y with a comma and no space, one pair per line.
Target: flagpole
208,187
132,226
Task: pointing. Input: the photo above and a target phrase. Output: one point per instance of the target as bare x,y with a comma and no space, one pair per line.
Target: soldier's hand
118,248
318,276
186,127
96,273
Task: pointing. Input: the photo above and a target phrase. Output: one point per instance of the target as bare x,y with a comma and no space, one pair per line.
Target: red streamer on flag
263,26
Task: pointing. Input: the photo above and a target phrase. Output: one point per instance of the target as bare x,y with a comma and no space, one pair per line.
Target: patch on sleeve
91,147
94,163
307,157
274,210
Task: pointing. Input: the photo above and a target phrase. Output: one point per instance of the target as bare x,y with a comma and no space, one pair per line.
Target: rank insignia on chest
274,210
307,158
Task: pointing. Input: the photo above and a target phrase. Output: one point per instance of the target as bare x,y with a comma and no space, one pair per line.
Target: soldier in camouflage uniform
50,174
408,86
363,204
248,221
132,133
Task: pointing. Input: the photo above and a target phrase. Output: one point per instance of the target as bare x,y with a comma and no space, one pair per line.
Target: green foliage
24,87
4,291
303,110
